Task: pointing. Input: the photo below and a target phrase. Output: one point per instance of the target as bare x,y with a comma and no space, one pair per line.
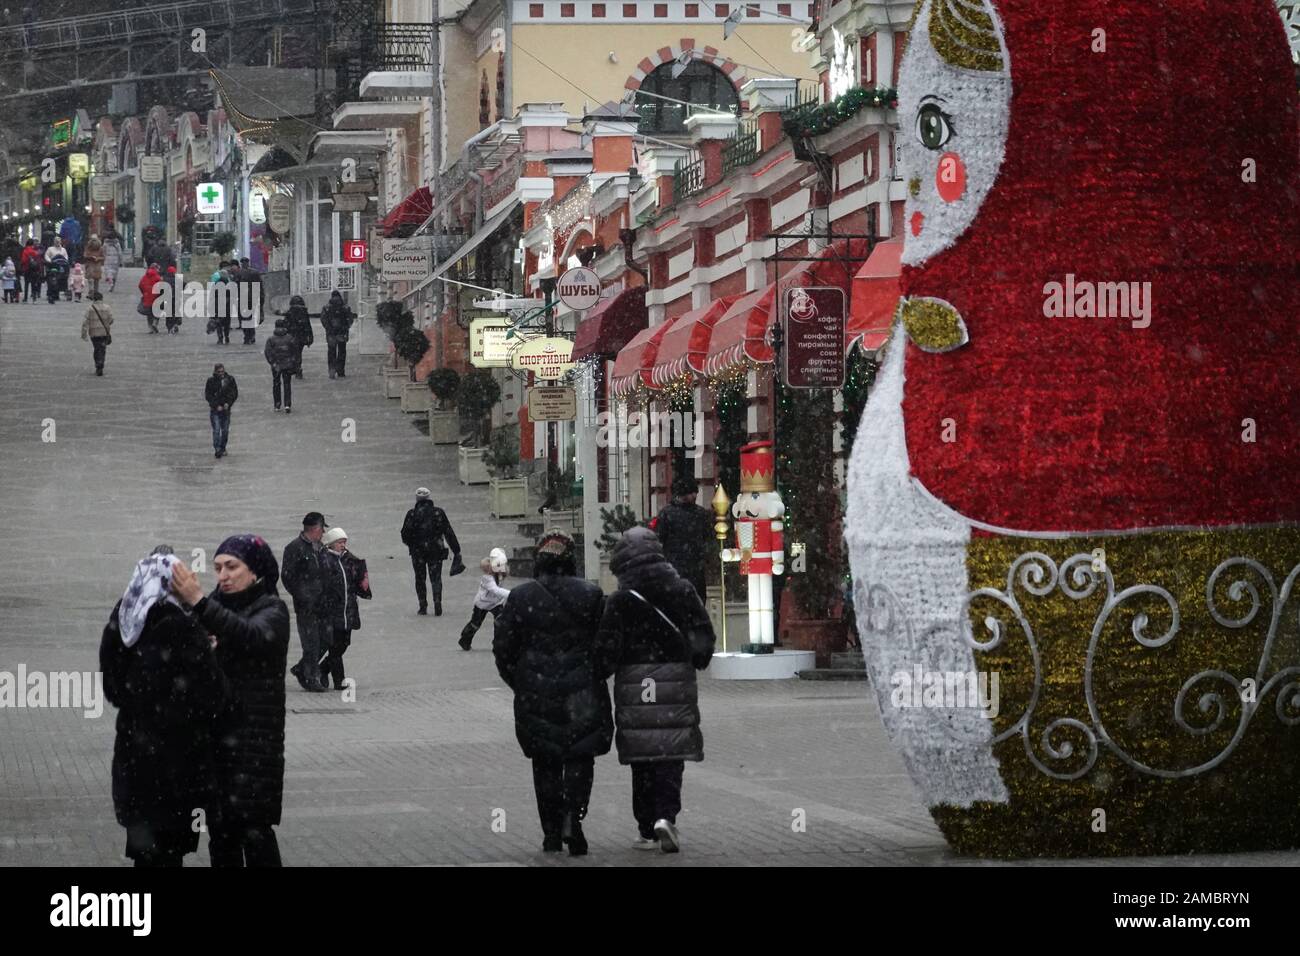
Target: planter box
444,427
823,637
416,397
472,469
737,620
395,379
564,520
509,497
608,583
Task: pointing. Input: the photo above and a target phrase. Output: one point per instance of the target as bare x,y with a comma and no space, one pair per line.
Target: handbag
696,644
144,310
212,326
457,566
108,336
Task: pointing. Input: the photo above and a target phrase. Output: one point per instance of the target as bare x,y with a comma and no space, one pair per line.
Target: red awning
744,331
611,324
875,297
411,211
637,358
686,345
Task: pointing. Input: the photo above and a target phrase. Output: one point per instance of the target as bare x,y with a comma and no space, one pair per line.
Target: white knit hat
423,493
332,535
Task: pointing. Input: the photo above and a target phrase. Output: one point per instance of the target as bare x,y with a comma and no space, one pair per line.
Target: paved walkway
417,770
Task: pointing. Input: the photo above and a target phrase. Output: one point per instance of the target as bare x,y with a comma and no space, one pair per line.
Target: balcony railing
807,98
688,179
742,148
403,46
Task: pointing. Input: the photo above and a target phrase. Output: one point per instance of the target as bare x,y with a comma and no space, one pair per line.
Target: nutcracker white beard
908,557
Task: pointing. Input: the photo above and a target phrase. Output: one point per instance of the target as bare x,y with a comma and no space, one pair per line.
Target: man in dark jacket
654,636
298,321
246,274
250,625
221,392
337,318
302,579
284,355
686,532
423,532
544,644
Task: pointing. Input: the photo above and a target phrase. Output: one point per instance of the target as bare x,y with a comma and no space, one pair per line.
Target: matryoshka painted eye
933,126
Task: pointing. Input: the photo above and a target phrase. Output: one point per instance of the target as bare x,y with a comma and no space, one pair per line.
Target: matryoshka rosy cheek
954,109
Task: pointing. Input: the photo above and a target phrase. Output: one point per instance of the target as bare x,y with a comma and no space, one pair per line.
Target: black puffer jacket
659,720
425,530
544,643
686,533
341,577
336,318
252,629
298,321
169,693
283,352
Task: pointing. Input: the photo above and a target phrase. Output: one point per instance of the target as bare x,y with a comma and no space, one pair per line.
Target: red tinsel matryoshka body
1078,469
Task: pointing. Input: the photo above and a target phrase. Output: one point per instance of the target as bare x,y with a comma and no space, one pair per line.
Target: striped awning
635,360
686,345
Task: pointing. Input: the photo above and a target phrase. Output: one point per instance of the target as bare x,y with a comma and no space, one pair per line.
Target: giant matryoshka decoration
1074,498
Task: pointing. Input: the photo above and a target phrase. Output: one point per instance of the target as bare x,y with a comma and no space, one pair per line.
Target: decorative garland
824,118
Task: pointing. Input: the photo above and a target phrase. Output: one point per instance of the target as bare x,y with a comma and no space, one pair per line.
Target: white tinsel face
954,126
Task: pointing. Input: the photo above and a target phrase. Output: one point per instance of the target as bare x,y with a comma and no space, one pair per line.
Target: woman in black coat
654,636
251,627
344,578
159,671
544,642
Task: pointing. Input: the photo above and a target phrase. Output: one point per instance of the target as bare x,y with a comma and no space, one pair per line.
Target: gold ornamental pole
721,505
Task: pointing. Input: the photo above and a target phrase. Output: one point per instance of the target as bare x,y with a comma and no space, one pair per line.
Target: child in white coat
77,281
491,595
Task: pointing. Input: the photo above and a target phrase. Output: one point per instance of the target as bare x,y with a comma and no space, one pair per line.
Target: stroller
56,278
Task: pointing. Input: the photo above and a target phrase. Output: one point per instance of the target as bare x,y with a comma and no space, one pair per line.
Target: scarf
150,583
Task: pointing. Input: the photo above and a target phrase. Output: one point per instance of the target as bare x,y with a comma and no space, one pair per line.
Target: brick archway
667,54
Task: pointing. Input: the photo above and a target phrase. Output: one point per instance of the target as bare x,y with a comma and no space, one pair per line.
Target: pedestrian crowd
199,679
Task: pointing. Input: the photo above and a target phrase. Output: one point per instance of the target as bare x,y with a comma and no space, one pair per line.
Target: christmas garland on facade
824,118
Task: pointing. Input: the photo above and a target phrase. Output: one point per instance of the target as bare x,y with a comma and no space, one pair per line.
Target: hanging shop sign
552,403
279,214
78,165
354,197
814,338
406,260
354,250
547,358
151,169
579,288
491,341
257,200
101,190
61,133
211,197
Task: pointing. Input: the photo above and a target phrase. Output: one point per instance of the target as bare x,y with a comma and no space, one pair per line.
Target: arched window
701,84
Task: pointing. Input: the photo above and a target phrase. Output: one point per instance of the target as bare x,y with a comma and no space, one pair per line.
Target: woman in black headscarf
250,625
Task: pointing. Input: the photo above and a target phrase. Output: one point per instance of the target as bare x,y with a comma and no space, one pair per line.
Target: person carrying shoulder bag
97,327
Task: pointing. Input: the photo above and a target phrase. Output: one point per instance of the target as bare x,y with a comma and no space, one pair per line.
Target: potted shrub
509,491
614,521
810,617
477,393
560,496
408,343
223,243
444,422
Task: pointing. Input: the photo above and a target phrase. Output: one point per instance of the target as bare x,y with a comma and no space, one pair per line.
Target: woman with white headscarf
161,674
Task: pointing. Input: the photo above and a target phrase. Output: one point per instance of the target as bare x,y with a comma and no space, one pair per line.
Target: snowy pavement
423,768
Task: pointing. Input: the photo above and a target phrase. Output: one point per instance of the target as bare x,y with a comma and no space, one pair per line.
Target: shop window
702,84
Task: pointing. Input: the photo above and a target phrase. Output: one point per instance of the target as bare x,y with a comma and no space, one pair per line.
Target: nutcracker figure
760,539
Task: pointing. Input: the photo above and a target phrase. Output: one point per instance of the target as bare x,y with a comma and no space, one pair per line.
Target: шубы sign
579,288
406,259
547,358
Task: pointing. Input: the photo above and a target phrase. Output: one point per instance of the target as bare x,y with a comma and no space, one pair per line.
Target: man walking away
221,392
248,323
686,532
284,356
337,319
423,531
301,574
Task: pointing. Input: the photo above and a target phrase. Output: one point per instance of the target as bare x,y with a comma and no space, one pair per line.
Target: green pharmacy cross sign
212,197
61,133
